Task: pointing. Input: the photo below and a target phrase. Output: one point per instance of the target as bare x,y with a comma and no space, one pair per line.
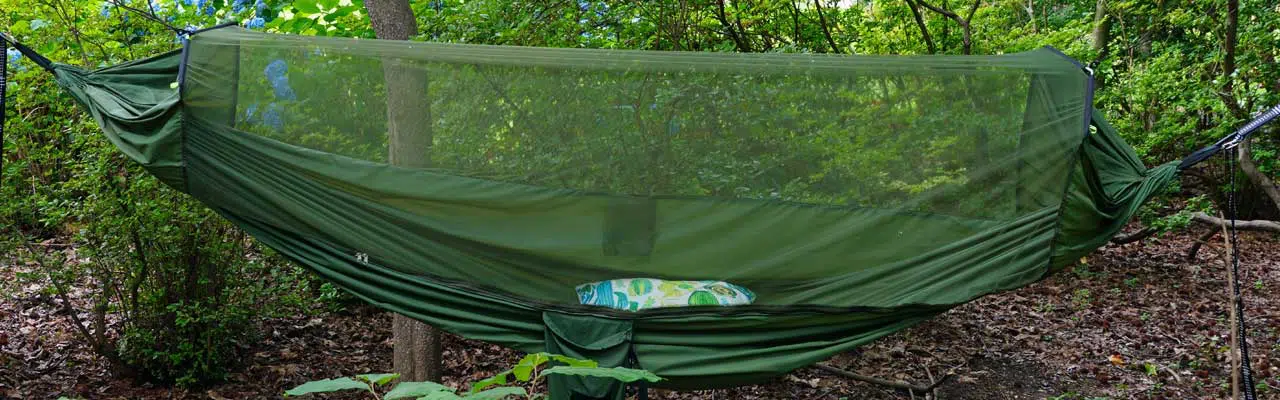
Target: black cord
1246,373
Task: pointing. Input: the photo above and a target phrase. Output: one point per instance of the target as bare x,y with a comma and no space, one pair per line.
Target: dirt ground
1133,321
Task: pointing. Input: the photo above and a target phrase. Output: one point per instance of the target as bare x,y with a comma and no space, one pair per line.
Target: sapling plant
509,384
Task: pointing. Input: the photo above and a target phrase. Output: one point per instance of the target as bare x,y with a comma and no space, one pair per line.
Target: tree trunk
1101,34
417,352
1259,178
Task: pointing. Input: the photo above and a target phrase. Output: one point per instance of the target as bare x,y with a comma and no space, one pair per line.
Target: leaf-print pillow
636,294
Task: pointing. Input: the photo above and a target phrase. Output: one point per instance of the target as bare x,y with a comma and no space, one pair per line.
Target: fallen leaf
1116,360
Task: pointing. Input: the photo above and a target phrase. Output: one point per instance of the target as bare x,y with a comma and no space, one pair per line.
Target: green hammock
474,187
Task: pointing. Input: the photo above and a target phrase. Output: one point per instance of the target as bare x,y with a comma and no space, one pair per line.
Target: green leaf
575,362
524,369
415,389
307,6
444,395
619,373
325,386
378,379
499,379
498,393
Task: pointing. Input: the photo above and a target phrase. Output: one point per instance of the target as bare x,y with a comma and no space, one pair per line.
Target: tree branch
729,30
924,29
826,31
1133,237
938,10
1246,225
1200,242
964,22
972,10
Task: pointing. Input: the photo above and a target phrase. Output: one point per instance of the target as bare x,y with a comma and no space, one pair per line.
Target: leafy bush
172,289
526,372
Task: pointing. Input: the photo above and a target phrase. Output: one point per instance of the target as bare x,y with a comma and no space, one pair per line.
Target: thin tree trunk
1101,33
924,29
416,355
826,30
1250,169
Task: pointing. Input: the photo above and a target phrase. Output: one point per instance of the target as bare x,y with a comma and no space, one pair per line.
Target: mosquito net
778,172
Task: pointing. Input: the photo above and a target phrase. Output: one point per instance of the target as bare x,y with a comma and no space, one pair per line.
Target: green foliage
327,385
1179,219
621,374
406,390
174,290
525,372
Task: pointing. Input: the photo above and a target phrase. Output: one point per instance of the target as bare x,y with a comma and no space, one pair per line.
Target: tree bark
1101,34
924,29
1251,171
416,355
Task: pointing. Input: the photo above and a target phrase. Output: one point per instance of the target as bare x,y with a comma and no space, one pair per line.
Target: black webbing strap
1231,140
4,83
1246,373
26,51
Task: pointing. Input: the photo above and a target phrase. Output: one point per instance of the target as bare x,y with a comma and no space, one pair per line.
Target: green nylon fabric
491,255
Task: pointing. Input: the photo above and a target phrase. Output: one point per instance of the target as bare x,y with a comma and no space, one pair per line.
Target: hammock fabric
474,187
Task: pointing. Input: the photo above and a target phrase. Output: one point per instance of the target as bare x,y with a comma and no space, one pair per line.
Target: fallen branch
1133,237
884,382
1200,241
1246,225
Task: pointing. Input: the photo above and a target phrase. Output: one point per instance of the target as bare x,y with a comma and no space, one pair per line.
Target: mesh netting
890,160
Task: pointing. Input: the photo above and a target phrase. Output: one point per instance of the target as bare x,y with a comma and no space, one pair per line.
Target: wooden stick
1231,294
882,382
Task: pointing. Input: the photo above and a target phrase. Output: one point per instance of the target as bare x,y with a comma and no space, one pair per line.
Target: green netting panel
530,171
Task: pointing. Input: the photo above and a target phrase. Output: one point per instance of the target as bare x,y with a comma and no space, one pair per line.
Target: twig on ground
883,382
1134,237
1199,242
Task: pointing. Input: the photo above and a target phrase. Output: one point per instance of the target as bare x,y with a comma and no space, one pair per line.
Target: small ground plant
505,385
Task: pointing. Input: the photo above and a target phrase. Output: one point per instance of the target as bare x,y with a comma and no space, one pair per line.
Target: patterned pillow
636,294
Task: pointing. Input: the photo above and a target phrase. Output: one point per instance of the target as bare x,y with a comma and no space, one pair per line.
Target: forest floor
1133,321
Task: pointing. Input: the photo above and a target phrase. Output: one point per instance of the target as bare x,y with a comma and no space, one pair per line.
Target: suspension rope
1233,205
